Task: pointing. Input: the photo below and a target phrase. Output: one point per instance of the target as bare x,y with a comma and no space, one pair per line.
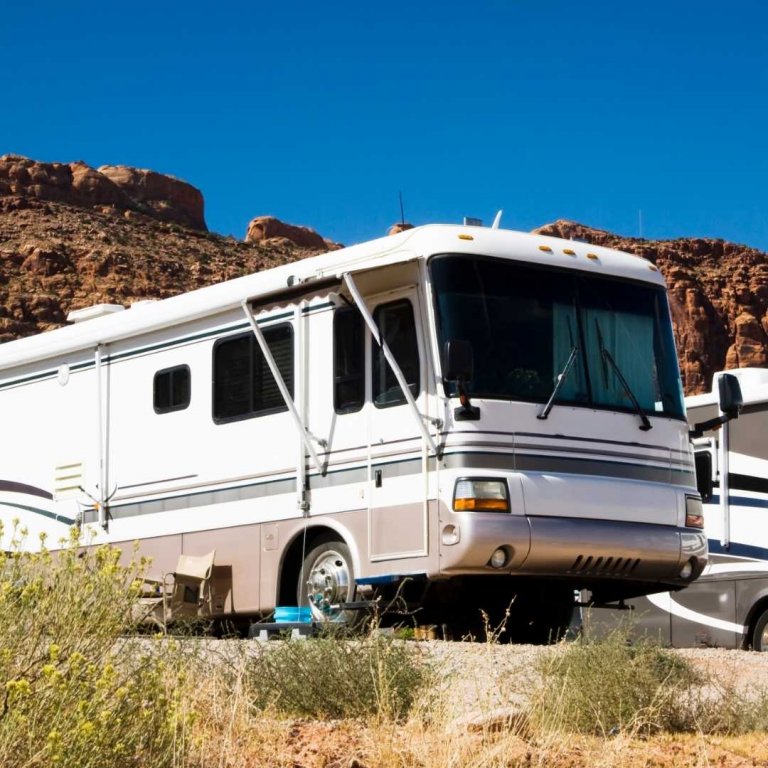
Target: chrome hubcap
327,585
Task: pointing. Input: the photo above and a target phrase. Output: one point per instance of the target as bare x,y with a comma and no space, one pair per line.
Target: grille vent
615,566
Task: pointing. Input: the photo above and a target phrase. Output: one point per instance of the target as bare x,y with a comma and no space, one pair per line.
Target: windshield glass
524,321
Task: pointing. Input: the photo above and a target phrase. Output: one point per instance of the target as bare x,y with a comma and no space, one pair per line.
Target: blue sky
641,118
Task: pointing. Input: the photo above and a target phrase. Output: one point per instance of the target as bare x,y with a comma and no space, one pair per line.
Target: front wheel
327,581
760,632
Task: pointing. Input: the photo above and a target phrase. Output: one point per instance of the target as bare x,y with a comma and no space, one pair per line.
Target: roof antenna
402,212
497,220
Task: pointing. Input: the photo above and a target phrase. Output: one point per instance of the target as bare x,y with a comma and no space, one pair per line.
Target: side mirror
731,403
459,367
729,394
704,475
458,360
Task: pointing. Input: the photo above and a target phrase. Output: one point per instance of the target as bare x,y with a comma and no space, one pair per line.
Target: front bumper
578,550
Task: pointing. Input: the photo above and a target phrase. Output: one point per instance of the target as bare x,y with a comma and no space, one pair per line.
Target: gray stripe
241,493
201,499
559,450
157,482
645,456
530,463
573,438
13,487
339,477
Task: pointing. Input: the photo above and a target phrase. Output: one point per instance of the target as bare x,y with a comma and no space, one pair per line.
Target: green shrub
609,685
69,696
335,676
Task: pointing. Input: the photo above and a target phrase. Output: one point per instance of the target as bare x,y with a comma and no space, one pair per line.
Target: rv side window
348,361
171,389
243,385
396,324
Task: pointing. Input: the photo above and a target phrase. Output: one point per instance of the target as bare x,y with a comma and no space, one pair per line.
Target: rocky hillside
718,295
72,236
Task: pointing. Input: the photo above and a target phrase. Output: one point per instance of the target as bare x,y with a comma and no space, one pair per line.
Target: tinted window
524,322
397,326
348,361
171,389
243,385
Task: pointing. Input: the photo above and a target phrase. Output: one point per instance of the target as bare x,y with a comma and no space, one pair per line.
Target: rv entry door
398,449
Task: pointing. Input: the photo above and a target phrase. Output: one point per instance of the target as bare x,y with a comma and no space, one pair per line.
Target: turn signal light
694,512
481,496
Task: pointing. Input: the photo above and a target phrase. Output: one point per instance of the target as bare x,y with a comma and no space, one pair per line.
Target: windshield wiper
560,381
607,356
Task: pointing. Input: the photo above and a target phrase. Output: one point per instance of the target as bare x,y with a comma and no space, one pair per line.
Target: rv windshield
524,321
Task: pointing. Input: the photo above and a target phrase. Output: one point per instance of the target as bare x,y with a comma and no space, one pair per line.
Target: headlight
481,496
694,512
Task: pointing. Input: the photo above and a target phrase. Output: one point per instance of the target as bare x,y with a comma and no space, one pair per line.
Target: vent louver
615,566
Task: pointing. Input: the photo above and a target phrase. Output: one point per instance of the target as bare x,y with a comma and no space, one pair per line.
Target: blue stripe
742,501
391,579
737,550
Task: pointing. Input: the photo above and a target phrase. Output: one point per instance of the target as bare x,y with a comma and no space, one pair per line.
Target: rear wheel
760,632
327,581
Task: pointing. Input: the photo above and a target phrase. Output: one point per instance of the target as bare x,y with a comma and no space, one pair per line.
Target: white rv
728,605
472,412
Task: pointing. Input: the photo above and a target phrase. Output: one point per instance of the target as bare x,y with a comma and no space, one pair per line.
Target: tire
327,580
760,632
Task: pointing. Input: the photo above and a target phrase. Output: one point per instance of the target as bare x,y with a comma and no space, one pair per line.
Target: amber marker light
569,252
466,237
545,248
593,256
481,496
694,512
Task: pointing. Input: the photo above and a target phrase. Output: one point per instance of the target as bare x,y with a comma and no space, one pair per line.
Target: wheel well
293,558
754,614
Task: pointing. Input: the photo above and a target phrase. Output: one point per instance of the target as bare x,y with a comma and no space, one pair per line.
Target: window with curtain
524,321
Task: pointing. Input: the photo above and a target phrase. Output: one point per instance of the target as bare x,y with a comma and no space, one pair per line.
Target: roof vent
91,313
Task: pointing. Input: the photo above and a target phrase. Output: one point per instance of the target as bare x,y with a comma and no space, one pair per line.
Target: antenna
402,212
497,220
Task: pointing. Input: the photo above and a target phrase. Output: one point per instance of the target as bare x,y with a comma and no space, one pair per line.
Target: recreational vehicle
465,414
728,605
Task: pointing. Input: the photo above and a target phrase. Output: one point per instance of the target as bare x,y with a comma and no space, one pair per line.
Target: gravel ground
481,677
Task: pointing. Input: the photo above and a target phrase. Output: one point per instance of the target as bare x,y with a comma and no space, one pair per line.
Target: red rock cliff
127,189
718,297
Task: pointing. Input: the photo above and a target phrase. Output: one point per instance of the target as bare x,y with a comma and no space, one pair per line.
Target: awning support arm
306,436
390,358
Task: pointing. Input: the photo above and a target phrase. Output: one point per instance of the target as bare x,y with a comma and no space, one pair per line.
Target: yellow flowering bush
74,689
